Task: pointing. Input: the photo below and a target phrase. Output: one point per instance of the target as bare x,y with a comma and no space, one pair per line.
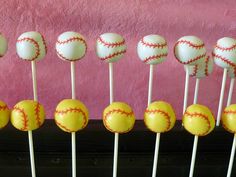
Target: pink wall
210,20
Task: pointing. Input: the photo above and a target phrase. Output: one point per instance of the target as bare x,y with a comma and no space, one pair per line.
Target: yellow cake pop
159,117
4,114
198,120
71,115
118,117
27,115
229,118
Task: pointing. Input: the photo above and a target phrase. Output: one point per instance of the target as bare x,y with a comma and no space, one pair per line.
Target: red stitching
35,43
113,55
197,46
45,45
202,116
62,126
113,44
191,60
153,45
3,107
24,116
67,59
223,59
120,112
37,111
72,40
225,48
165,114
226,128
206,66
195,70
154,57
77,110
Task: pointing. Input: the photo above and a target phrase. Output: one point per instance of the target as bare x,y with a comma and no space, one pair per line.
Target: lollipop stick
186,88
154,169
231,88
221,97
73,135
116,138
196,91
150,84
30,135
231,161
194,152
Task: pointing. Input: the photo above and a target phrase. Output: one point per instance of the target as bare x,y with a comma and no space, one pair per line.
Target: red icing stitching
206,66
37,111
62,126
165,114
153,45
119,111
67,59
195,70
154,57
114,44
197,46
223,59
225,48
202,116
24,117
44,43
3,107
72,40
191,60
113,55
30,40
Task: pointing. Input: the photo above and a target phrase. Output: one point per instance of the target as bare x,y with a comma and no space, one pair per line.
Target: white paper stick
194,152
30,135
150,84
73,134
231,161
196,91
231,88
154,169
116,137
221,97
186,88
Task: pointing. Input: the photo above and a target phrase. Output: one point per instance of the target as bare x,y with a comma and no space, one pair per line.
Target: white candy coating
203,69
110,47
71,46
189,50
3,45
31,46
152,49
224,52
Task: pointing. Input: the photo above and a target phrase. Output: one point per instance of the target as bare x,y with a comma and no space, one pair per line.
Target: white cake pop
203,69
110,47
224,52
71,46
3,45
31,46
189,50
152,49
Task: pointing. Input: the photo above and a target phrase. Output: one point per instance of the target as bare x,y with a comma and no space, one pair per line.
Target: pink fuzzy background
210,20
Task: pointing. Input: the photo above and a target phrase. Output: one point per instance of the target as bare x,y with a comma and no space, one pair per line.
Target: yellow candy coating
71,115
4,114
229,118
159,117
27,115
198,120
118,117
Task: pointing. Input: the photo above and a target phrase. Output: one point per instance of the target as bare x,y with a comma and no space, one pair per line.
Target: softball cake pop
27,115
118,117
228,118
3,45
71,115
198,120
31,46
110,47
152,49
159,117
71,46
4,114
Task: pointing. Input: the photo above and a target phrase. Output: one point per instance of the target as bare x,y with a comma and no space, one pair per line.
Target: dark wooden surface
95,152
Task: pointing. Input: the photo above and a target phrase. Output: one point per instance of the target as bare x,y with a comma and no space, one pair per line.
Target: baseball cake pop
110,47
152,49
4,114
27,115
159,117
118,117
71,115
3,45
198,120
